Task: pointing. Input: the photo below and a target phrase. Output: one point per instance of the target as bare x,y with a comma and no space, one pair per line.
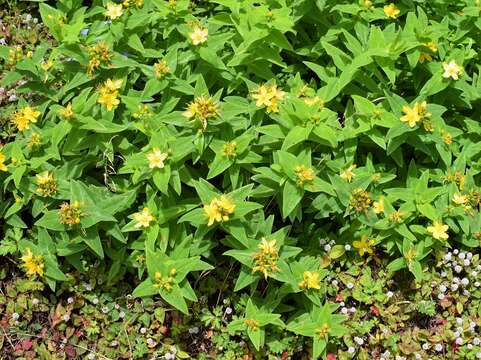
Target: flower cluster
165,282
310,280
161,69
415,114
70,213
268,96
360,200
304,174
109,92
33,264
46,184
202,108
219,209
98,54
24,117
229,149
266,259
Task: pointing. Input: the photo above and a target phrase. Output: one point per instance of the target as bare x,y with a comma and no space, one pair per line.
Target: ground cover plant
240,179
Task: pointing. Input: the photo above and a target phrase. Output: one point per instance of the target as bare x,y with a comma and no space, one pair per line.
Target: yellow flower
412,116
391,11
432,46
70,214
268,96
460,199
111,85
425,57
310,280
348,174
198,35
452,70
364,245
438,230
252,324
156,159
46,184
304,174
46,65
266,259
378,206
161,69
219,209
109,93
114,11
22,118
66,111
143,218
33,264
202,108
3,167
229,149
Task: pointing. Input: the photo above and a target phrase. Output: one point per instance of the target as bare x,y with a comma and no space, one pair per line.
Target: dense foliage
299,155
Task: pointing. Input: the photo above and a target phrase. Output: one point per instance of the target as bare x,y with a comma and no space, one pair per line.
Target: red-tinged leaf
27,344
70,351
331,356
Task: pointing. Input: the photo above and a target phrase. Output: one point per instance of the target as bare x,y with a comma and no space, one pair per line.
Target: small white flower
438,347
150,341
121,314
466,292
474,273
478,355
228,310
350,285
417,356
347,247
469,255
91,356
95,301
344,310
15,316
194,330
425,346
358,340
465,281
342,303
70,300
66,317
117,306
35,301
476,341
327,248
454,287
114,343
441,296
322,241
478,267
88,287
455,251
335,282
456,280
389,294
458,269
351,350
143,330
459,321
105,309
352,310
470,346
169,356
442,288
466,262
457,334
444,274
462,256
